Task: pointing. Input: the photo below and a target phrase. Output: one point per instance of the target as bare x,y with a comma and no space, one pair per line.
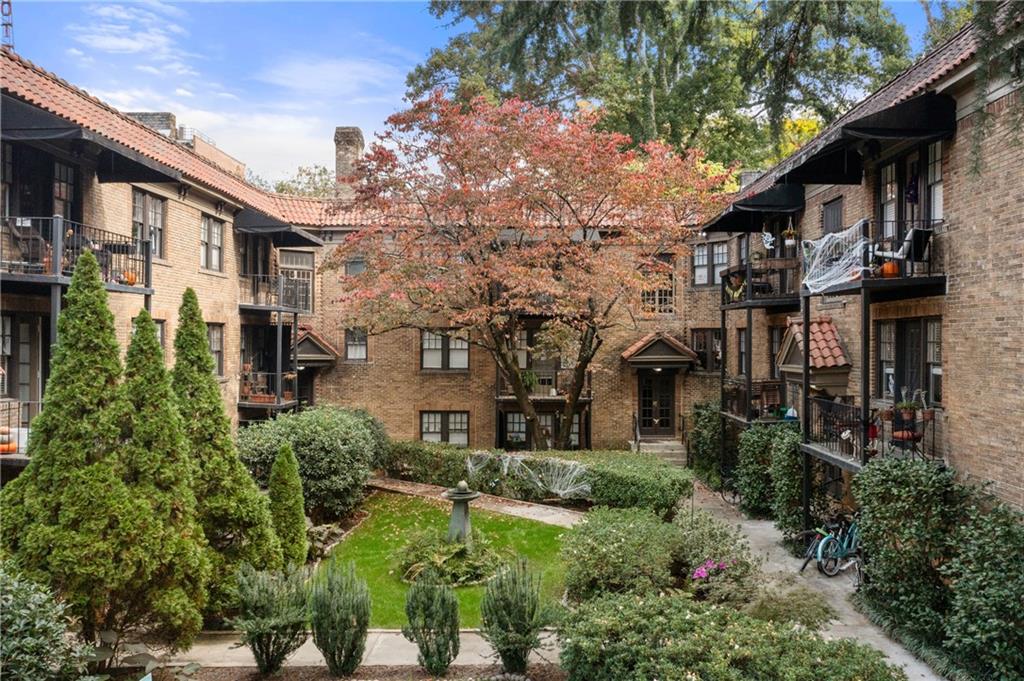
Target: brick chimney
348,148
161,121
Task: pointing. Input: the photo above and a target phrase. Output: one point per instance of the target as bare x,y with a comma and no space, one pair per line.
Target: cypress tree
234,516
81,518
287,506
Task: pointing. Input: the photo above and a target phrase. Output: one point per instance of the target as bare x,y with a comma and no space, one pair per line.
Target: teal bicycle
840,550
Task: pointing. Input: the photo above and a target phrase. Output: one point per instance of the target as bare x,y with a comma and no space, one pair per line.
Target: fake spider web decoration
834,259
559,477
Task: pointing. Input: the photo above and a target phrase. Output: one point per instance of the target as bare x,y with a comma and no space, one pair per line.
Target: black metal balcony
545,385
267,390
770,282
45,250
762,403
266,292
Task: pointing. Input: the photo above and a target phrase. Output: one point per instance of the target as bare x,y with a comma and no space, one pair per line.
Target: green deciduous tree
103,512
234,516
287,506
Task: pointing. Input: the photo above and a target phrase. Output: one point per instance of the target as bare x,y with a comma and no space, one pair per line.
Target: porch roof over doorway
658,349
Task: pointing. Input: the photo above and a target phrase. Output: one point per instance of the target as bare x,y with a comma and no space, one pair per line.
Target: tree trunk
504,354
589,344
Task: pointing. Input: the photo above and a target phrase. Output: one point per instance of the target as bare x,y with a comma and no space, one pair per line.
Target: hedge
705,442
335,449
786,471
753,476
943,564
427,462
632,637
715,558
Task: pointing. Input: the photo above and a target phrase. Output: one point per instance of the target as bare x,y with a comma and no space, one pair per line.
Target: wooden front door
657,403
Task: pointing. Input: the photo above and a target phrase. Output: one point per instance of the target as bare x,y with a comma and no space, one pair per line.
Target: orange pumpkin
8,448
890,269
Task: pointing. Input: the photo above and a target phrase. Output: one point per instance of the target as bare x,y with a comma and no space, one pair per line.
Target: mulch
541,672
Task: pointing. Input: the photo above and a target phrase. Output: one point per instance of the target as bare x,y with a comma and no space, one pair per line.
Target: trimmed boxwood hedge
631,637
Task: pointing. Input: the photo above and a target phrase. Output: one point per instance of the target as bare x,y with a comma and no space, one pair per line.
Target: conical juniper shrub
287,506
107,526
753,478
272,613
433,613
339,609
234,516
512,615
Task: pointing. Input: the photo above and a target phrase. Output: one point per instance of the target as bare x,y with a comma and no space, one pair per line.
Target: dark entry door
657,403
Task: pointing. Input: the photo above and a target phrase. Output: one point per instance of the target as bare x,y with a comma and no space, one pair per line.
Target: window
661,300
215,334
6,339
298,267
515,429
159,323
6,178
63,189
354,266
744,248
909,358
574,432
741,355
709,272
889,193
148,220
355,345
442,351
445,426
935,210
832,216
707,344
775,334
211,244
547,427
523,348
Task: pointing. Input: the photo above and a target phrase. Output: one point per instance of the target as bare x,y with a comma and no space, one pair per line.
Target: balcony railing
764,401
550,384
836,427
767,281
15,419
273,291
900,248
52,247
260,388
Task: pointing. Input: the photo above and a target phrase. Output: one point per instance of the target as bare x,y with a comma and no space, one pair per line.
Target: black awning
252,221
23,122
833,157
747,214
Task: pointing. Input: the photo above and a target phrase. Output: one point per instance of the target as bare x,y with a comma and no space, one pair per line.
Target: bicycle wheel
729,493
830,553
812,551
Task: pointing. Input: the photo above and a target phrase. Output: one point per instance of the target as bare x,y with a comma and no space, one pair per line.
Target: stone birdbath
459,528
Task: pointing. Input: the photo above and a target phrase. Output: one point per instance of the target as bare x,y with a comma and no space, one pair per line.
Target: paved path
766,542
385,647
551,515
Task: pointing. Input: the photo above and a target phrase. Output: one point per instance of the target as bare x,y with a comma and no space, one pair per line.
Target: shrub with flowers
716,558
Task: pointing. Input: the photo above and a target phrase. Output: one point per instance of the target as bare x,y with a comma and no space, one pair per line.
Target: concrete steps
671,451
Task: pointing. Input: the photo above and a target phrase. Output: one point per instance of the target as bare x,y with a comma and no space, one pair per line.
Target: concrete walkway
766,542
551,515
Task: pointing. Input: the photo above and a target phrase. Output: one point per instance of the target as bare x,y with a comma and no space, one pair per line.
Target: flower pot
288,395
790,243
553,392
907,414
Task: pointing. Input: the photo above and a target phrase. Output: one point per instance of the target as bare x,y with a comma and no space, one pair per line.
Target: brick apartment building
164,208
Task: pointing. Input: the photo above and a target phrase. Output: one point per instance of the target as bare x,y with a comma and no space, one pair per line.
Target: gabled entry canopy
658,350
747,214
314,350
23,122
830,365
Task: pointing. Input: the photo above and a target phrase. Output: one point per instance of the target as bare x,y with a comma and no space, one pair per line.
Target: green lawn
393,517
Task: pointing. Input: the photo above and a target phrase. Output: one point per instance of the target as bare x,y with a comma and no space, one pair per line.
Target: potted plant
789,235
908,406
529,380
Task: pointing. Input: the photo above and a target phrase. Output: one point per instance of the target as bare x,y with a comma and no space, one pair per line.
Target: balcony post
279,303
749,359
750,277
295,355
57,267
278,357
721,391
865,370
805,408
147,273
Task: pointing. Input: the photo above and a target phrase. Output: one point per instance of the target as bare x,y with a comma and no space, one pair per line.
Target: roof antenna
7,15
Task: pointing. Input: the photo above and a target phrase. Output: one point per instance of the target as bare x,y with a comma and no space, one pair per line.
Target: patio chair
913,248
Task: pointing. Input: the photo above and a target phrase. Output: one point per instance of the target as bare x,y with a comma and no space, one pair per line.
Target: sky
267,81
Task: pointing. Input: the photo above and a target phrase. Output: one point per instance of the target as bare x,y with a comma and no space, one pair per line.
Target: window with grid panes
355,345
445,426
63,189
889,193
215,335
909,353
515,429
741,342
148,220
935,209
443,351
719,260
299,267
706,343
775,334
661,300
700,265
886,359
211,244
933,359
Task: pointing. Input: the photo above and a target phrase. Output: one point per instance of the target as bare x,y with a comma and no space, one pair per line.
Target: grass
393,517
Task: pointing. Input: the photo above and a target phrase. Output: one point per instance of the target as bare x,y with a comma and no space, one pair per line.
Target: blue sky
268,81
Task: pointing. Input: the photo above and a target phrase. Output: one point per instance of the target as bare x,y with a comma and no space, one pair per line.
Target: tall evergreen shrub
272,613
234,515
286,506
786,477
705,442
339,611
103,512
512,615
433,613
753,479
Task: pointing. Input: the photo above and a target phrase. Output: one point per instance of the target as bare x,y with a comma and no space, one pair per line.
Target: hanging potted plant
789,236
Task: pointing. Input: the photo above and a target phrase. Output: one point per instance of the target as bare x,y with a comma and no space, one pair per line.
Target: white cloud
182,92
339,77
146,68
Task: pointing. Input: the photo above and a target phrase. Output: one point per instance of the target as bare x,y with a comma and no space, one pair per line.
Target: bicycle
728,491
840,550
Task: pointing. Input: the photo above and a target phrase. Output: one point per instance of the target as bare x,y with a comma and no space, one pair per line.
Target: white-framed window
354,266
355,345
445,426
933,358
700,265
889,193
299,267
211,244
661,300
523,348
6,342
719,260
935,208
440,350
215,335
148,214
515,429
886,359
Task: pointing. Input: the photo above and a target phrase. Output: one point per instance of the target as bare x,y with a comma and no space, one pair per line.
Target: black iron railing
269,388
763,402
770,279
837,427
274,291
546,383
15,419
52,247
900,248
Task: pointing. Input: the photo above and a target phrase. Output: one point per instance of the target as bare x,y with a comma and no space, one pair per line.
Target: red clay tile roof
827,350
307,332
24,80
653,337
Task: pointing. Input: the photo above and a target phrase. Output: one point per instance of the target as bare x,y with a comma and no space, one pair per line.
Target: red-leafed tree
492,215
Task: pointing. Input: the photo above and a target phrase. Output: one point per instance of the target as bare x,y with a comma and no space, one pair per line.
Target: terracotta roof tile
653,337
827,349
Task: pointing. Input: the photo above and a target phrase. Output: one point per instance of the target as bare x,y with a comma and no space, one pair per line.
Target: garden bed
393,518
546,672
